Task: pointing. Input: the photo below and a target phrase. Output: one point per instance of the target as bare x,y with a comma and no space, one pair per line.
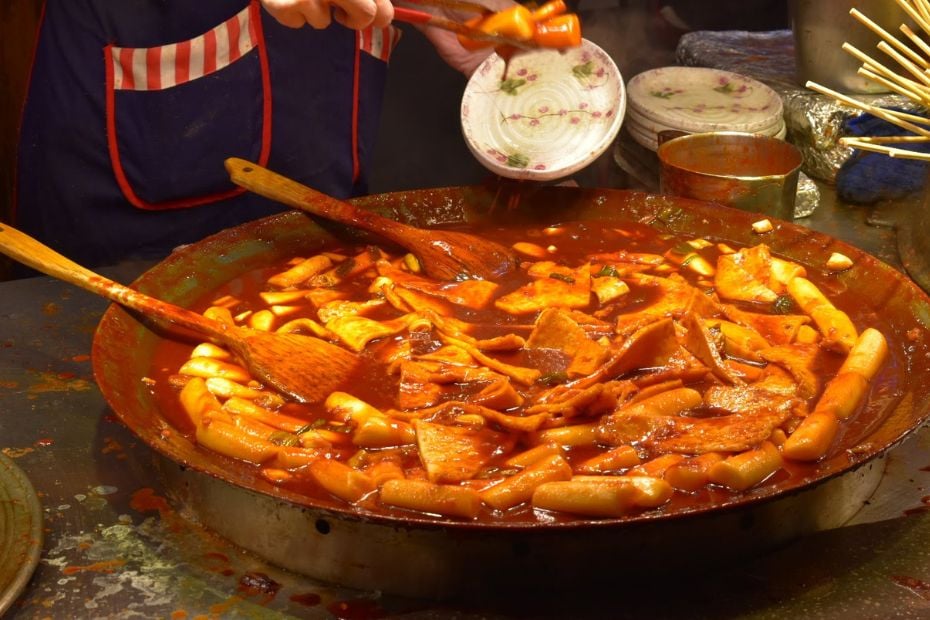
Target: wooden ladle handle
269,184
28,251
23,248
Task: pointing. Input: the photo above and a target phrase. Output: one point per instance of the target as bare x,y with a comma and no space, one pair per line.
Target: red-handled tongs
413,16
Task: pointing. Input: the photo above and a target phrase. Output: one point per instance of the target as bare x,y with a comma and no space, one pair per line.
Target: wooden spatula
443,254
303,367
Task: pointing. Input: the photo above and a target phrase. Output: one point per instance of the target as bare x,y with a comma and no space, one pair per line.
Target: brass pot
741,170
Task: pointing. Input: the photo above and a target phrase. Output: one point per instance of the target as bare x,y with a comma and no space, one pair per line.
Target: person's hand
451,51
355,14
447,44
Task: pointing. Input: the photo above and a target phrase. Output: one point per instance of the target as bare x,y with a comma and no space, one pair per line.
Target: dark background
420,143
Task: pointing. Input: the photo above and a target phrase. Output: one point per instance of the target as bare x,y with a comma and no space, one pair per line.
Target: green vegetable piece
562,277
553,378
784,304
283,438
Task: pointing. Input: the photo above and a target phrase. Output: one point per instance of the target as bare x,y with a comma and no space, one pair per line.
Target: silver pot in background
822,26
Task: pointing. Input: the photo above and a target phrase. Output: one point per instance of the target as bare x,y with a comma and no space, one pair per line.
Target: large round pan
429,557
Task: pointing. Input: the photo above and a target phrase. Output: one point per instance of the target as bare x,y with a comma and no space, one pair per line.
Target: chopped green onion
343,268
784,305
553,378
282,438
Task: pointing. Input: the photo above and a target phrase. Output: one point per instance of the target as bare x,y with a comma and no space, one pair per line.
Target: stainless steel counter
114,547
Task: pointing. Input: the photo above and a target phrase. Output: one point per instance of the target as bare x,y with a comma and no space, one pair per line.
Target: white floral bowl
544,115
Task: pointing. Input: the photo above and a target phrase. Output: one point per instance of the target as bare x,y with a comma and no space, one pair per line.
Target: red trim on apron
153,68
356,165
256,32
157,68
164,66
379,42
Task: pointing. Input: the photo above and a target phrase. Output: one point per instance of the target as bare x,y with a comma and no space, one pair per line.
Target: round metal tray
437,558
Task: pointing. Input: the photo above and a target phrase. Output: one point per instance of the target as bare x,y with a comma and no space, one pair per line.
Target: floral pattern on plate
545,114
702,99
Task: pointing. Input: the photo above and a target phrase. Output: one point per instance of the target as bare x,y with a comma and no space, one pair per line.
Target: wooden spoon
443,254
303,367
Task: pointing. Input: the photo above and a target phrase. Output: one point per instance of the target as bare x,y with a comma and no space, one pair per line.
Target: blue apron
134,104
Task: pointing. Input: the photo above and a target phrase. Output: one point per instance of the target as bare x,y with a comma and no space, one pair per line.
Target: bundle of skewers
909,77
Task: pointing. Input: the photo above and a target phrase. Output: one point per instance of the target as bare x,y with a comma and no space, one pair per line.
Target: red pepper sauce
581,240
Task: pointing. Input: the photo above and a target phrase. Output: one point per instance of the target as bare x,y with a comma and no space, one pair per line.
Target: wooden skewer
920,92
885,150
870,64
906,117
914,14
904,62
916,40
890,38
911,68
905,92
900,80
868,60
874,110
889,139
917,90
877,67
923,7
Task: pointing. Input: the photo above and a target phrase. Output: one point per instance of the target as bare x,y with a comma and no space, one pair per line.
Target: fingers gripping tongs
463,29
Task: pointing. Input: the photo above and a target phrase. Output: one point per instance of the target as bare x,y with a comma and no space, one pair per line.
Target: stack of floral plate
697,100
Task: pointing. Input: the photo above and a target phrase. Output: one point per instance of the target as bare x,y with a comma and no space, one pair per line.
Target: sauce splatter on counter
15,453
107,566
918,587
357,609
58,382
167,566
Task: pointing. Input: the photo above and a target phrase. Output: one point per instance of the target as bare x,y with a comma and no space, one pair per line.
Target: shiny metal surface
449,564
123,345
745,171
108,553
364,549
821,27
